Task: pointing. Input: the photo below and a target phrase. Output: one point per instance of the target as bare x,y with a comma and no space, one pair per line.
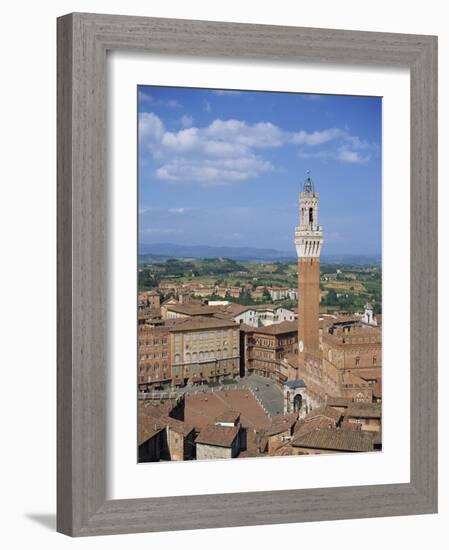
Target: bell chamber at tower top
308,234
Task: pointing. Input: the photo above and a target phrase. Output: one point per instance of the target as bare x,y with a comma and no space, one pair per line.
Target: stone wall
212,452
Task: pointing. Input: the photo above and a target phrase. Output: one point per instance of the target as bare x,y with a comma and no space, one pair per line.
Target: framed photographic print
247,274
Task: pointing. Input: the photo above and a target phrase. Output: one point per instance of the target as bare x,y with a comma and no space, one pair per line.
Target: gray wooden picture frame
83,40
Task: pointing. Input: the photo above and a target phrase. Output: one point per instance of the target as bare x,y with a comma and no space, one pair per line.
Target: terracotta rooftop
324,412
282,423
319,422
228,417
228,311
335,440
156,409
276,328
148,428
221,436
338,401
198,323
203,408
178,426
364,410
193,309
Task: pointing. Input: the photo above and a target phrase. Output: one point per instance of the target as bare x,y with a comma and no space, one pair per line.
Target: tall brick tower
308,241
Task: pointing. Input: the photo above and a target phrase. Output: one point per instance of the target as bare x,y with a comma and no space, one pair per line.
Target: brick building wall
153,356
309,304
265,351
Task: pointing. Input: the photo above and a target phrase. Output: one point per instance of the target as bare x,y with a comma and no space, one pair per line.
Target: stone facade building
265,347
352,359
204,350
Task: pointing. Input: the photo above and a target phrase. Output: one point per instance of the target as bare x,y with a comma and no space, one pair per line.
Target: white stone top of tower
308,234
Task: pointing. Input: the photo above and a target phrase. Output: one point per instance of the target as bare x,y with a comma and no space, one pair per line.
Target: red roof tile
221,436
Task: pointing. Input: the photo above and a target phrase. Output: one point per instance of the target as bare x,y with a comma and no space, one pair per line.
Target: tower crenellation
308,234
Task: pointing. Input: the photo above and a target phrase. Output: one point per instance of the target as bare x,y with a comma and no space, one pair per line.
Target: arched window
311,216
177,358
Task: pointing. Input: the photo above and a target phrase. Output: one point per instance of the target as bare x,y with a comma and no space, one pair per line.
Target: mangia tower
308,241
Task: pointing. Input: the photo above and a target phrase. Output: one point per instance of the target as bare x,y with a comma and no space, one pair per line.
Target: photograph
228,224
259,274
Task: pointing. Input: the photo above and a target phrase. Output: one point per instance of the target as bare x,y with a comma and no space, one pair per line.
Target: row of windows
206,335
264,355
205,356
264,342
155,355
357,360
359,340
155,342
153,368
204,344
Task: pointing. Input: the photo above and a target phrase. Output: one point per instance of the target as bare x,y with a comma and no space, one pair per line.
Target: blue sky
225,168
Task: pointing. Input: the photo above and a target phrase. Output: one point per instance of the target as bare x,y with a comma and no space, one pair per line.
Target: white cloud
150,127
228,151
213,171
259,135
318,137
353,157
186,121
341,154
146,97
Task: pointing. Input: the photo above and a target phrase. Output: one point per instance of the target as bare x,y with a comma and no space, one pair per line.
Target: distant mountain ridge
171,250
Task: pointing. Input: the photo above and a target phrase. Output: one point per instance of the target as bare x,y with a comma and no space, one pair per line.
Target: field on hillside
344,287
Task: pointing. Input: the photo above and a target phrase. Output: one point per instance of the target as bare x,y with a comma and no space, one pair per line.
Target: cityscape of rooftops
259,274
